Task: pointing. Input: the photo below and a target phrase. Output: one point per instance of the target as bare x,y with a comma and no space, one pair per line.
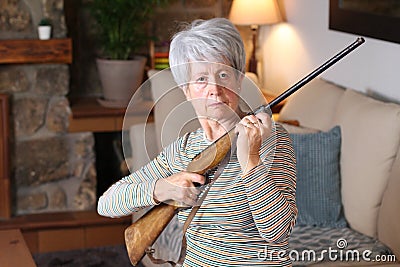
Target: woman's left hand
253,130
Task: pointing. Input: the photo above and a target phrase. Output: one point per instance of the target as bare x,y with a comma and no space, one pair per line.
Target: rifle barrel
209,152
312,75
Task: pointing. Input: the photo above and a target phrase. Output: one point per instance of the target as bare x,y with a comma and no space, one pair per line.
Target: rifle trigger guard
207,175
150,250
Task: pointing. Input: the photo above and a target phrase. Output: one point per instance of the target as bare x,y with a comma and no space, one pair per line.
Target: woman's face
214,90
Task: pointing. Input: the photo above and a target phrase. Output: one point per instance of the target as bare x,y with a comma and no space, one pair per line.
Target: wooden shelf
68,230
89,116
59,220
89,107
25,51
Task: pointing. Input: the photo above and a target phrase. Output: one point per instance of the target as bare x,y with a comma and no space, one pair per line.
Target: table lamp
254,13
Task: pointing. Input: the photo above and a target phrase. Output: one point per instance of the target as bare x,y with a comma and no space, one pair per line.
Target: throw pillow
318,195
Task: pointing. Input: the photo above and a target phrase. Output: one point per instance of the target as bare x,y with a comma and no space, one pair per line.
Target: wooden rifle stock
144,232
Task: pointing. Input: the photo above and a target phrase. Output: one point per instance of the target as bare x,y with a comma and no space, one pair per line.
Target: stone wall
52,170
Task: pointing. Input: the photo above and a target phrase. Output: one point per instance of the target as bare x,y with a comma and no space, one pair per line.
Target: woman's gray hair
214,40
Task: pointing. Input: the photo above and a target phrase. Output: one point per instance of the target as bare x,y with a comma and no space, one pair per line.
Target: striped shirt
245,220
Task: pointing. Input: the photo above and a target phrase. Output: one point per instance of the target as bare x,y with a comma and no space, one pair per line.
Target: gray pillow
318,194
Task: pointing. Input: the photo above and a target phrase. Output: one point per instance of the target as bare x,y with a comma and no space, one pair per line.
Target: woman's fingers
196,178
187,196
253,130
179,188
249,121
265,123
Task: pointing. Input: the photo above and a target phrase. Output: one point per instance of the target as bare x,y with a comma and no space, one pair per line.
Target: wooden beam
36,51
5,198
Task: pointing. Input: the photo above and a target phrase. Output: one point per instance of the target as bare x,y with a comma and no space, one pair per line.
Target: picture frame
366,24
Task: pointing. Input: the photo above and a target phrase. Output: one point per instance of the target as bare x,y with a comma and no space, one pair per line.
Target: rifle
144,232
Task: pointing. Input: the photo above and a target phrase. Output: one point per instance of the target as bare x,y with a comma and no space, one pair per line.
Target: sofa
368,170
348,166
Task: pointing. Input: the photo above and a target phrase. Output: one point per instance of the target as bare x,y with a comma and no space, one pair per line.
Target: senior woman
249,212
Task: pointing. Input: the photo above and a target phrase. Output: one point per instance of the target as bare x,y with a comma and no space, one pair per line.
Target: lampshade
254,12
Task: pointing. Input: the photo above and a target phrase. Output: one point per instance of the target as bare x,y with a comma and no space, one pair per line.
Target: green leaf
121,25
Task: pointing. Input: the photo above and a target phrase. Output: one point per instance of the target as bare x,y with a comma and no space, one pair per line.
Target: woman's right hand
179,187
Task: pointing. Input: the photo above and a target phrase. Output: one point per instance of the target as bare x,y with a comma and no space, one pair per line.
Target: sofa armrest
389,213
144,146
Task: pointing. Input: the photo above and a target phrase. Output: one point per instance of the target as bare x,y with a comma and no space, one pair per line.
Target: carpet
109,256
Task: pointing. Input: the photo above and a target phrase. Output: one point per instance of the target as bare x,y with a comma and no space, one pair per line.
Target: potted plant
44,29
121,32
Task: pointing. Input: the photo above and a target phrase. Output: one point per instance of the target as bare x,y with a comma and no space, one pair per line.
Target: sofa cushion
318,195
370,139
314,105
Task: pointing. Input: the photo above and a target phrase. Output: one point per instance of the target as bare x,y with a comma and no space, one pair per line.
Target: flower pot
120,79
44,32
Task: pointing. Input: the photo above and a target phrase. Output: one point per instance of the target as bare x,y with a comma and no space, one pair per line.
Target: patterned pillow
318,194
